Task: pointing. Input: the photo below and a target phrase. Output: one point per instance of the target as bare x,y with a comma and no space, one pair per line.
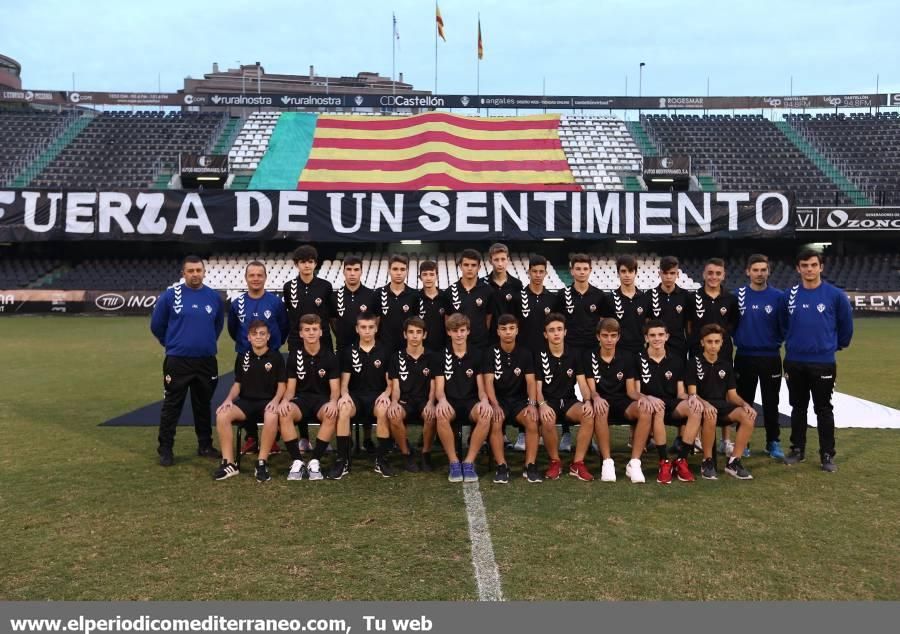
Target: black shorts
365,406
413,409
309,405
254,409
670,418
511,408
462,408
617,407
561,406
723,409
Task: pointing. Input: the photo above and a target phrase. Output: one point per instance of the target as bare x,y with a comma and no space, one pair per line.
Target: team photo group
492,352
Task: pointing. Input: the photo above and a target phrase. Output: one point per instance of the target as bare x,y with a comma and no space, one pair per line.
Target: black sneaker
209,451
427,467
795,456
828,465
166,459
502,474
262,471
411,465
369,446
532,474
226,470
338,470
737,470
382,467
708,470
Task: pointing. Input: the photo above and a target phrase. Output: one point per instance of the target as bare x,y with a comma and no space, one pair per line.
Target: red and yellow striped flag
480,43
440,21
437,150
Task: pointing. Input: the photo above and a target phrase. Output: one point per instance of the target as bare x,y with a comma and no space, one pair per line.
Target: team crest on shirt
479,301
678,309
209,309
426,372
546,310
722,374
620,375
469,373
268,314
593,308
570,373
640,310
363,308
722,311
820,308
517,371
318,301
668,375
769,309
440,311
405,308
168,379
377,363
509,297
268,367
321,373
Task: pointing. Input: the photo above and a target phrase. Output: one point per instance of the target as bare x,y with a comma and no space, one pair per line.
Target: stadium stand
865,147
605,276
24,135
744,153
253,140
600,151
21,273
117,274
124,150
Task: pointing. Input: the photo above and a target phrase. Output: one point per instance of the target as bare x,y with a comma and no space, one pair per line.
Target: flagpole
394,55
478,65
435,45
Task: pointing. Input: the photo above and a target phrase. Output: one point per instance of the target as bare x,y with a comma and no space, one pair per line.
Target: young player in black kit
511,391
474,298
434,307
659,388
411,373
506,287
395,303
710,376
260,379
365,393
628,306
306,294
670,303
609,370
313,389
459,392
557,372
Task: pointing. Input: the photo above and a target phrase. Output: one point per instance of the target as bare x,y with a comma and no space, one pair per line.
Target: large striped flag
440,21
437,150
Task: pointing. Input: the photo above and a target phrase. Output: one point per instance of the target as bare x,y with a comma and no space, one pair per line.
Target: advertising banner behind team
848,219
667,166
27,215
203,164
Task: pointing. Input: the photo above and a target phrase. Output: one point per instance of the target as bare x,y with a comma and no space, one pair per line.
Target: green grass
88,514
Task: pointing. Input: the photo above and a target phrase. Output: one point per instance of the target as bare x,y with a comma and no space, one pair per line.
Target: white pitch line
486,574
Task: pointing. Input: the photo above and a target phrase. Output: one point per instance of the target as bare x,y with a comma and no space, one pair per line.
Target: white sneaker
726,447
297,470
697,444
608,471
315,472
520,442
565,443
633,471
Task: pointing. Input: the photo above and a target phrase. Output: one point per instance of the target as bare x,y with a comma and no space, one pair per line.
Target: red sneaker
250,446
275,449
683,471
554,471
665,472
578,470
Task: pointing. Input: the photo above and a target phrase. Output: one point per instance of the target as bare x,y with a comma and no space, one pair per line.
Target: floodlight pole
640,86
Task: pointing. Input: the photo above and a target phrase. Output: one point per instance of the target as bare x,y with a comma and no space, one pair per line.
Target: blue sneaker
774,450
456,472
468,472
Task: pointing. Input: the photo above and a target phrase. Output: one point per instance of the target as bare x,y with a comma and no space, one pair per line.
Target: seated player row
505,383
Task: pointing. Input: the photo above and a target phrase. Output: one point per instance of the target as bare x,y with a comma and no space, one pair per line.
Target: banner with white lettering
848,219
44,215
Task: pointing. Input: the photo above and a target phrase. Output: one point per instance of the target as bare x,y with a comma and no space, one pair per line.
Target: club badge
678,309
426,372
517,371
620,376
168,379
668,375
318,301
405,308
321,373
268,314
363,308
593,308
820,308
570,373
268,367
479,302
377,363
721,374
209,310
640,310
722,311
470,372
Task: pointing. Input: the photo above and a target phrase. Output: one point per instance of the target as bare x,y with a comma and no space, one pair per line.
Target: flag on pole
440,21
480,43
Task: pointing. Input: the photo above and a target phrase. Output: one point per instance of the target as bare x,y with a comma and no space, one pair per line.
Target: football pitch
88,514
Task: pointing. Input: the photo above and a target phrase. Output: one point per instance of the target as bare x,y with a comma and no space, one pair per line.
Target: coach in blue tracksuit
758,339
257,303
818,322
187,320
